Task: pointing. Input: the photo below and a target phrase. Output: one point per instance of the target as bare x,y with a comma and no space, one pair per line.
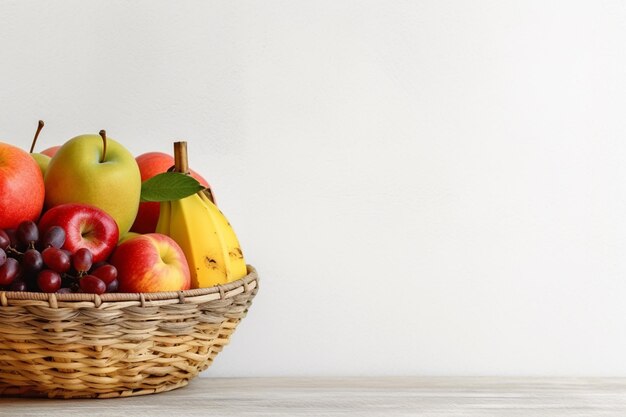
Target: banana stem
39,127
181,162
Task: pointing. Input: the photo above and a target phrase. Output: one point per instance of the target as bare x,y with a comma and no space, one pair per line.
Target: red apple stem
103,135
181,162
39,127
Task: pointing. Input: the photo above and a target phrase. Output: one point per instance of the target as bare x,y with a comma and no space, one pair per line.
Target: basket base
66,394
100,348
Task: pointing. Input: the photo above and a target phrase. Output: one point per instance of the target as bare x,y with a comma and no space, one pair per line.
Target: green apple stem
39,127
181,162
103,135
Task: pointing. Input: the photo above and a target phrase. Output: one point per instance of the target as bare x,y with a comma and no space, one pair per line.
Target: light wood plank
405,396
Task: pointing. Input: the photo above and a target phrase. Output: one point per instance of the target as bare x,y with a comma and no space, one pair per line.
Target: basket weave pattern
115,345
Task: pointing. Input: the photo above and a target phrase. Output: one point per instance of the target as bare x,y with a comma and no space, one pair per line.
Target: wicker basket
115,345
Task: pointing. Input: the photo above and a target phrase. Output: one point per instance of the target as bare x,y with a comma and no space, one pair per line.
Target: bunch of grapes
30,262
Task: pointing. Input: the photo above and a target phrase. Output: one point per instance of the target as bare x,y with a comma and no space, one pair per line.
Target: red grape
5,240
32,260
27,233
99,264
92,284
106,273
64,291
49,281
9,271
18,285
82,259
3,256
55,237
113,286
12,239
56,259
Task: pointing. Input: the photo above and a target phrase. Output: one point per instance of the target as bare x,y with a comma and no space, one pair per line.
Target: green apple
42,160
96,170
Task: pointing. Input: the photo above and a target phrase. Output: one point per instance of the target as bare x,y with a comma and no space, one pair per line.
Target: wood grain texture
406,396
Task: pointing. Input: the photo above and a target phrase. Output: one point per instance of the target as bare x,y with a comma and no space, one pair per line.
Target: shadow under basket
115,345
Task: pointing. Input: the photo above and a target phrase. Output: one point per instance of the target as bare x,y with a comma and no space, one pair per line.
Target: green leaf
169,186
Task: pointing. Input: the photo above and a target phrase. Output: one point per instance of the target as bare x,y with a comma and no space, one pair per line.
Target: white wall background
426,187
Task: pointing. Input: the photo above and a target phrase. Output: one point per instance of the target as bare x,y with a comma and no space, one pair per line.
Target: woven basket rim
224,291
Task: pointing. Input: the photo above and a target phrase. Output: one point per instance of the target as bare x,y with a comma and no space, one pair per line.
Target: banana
164,217
238,264
207,239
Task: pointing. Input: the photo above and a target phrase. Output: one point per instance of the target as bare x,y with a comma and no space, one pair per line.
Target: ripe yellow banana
207,239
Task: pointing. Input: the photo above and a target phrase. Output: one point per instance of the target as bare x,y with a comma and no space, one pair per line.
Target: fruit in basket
49,281
92,284
56,259
98,171
82,260
51,151
207,239
54,236
151,164
106,272
85,226
27,233
42,160
113,286
21,187
91,188
9,271
127,236
204,234
12,238
149,263
5,240
33,261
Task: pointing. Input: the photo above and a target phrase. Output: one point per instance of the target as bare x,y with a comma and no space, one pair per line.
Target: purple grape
55,237
27,233
5,240
32,261
18,285
113,286
9,271
12,238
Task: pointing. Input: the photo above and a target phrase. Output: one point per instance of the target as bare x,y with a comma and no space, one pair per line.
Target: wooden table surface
405,396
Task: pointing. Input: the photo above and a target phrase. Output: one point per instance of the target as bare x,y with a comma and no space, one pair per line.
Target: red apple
151,164
151,263
51,151
21,187
85,227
